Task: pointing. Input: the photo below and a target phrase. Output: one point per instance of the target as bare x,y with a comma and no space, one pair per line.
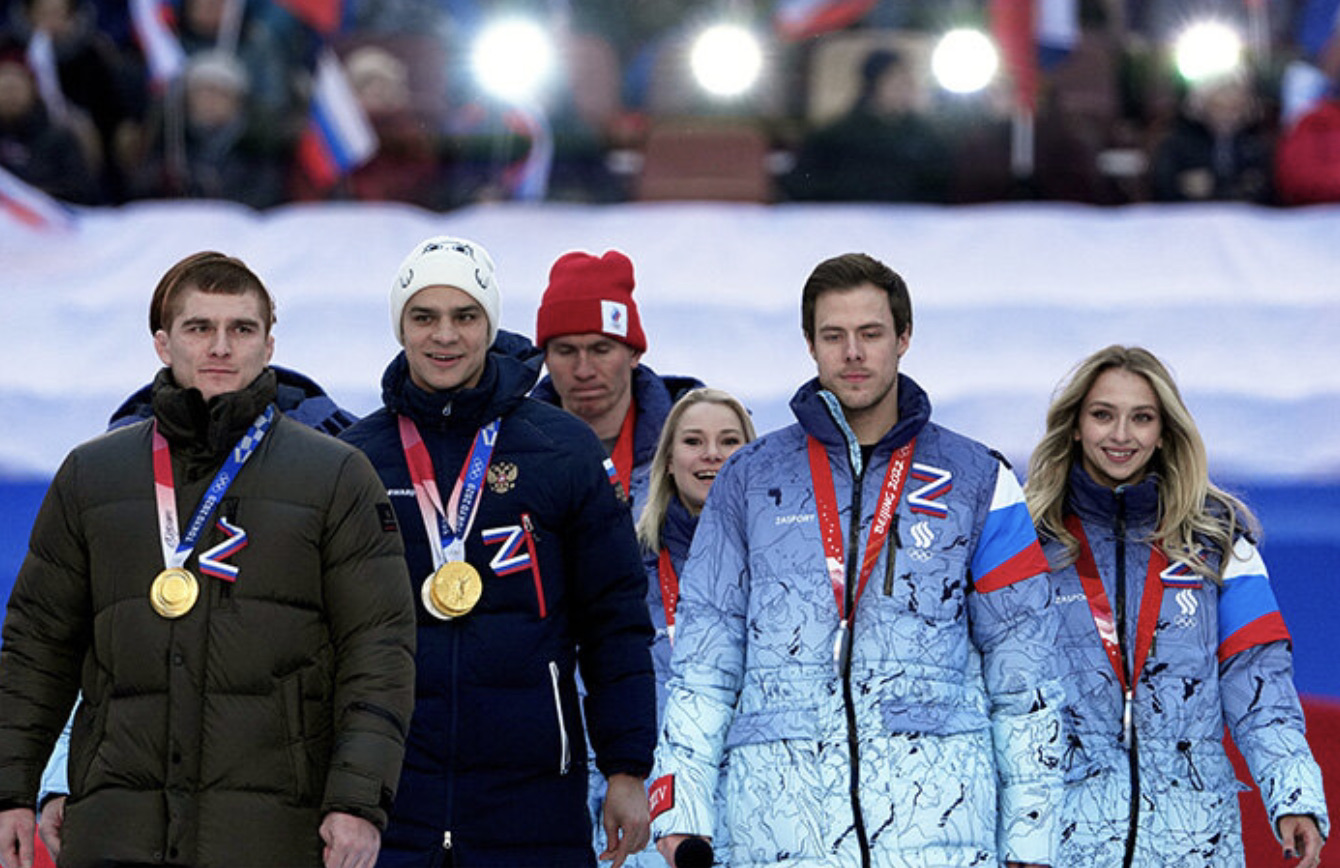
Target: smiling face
705,436
1120,428
446,336
857,350
216,342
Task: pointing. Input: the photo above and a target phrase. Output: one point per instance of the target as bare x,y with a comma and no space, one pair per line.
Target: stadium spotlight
1207,49
964,61
513,59
727,60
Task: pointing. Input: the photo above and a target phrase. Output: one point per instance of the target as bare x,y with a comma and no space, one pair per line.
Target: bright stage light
726,60
1207,49
513,59
964,61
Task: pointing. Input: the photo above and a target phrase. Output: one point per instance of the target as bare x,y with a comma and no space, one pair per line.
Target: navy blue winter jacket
653,396
495,768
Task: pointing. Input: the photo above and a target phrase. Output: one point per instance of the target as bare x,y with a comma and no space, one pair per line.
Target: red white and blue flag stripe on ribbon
527,179
1029,32
514,556
795,20
339,138
163,54
212,561
934,484
1008,550
1248,613
1179,575
32,207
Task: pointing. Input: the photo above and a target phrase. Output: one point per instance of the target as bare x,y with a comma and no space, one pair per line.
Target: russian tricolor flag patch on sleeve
1248,613
1008,550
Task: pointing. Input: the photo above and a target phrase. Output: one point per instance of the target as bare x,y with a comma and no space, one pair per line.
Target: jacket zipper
447,807
565,749
848,703
1132,749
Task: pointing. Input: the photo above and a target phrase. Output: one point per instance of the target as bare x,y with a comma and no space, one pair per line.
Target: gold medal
452,590
174,592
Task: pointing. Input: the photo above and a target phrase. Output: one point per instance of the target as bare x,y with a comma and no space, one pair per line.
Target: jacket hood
653,395
299,397
201,431
1099,504
677,532
510,370
819,414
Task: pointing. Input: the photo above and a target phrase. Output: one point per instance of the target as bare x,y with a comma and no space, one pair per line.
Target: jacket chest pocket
923,581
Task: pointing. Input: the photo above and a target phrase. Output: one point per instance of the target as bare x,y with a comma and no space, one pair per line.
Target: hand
351,842
1302,839
51,823
626,818
17,828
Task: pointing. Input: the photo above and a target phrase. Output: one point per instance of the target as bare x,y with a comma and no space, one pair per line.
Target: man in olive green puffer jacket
244,640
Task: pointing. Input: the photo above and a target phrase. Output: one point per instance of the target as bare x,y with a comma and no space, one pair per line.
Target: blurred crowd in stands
848,114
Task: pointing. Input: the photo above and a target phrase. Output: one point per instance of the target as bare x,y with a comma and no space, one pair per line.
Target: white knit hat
445,261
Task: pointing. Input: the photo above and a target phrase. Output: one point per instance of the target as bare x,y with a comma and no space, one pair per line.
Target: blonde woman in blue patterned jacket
1156,574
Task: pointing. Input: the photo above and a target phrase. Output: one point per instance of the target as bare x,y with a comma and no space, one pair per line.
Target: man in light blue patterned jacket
864,627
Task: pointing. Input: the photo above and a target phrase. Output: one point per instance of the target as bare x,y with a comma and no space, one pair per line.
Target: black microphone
694,853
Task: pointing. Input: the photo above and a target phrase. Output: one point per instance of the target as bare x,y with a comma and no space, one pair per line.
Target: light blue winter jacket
940,743
1220,657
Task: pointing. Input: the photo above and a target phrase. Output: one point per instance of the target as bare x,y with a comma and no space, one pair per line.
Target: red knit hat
587,294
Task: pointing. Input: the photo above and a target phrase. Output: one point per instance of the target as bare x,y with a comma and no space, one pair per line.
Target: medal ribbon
830,527
623,452
446,539
176,549
1101,608
665,569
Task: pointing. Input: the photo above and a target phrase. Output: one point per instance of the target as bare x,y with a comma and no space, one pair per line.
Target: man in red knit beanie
591,333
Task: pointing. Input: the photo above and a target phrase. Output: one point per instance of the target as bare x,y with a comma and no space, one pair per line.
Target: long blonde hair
1192,509
662,487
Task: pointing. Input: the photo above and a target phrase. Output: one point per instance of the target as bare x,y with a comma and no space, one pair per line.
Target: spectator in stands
406,167
1307,161
34,147
206,147
1170,632
277,51
704,428
883,149
102,91
1219,148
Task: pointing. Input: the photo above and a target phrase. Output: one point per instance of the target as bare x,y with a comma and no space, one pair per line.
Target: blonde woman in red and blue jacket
1170,632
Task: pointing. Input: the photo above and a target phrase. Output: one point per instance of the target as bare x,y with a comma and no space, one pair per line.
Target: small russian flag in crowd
528,178
795,20
1029,33
30,206
163,54
339,138
1317,24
